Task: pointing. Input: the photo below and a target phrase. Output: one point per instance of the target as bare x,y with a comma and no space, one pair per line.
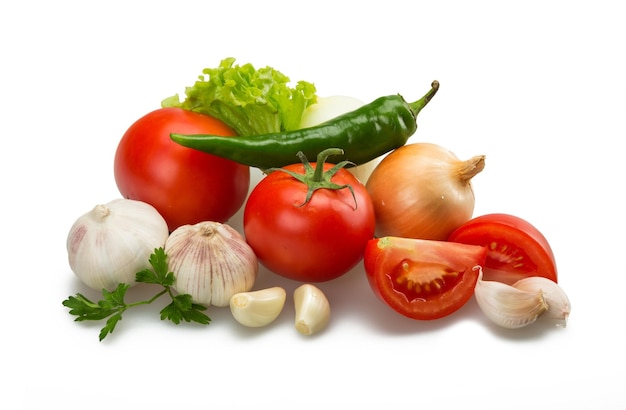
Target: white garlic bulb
211,262
111,243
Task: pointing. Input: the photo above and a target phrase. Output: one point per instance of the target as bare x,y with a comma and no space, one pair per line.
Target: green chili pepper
363,134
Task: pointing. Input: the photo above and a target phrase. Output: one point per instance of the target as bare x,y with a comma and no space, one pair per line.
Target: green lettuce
250,101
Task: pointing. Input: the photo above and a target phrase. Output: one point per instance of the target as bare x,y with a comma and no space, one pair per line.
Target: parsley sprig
112,306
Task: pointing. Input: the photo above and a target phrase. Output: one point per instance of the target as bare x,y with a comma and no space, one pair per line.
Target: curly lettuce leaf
250,101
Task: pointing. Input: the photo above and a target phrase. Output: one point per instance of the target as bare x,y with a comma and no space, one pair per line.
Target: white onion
327,108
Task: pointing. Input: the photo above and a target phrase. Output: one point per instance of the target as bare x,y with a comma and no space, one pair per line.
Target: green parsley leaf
110,325
85,309
114,299
159,274
113,304
182,308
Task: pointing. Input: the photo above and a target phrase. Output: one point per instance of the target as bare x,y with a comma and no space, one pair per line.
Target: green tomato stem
316,178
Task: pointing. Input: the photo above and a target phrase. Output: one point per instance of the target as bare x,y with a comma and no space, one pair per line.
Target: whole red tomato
186,186
315,241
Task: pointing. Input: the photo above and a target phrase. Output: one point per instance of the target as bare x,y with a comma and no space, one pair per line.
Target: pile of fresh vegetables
404,210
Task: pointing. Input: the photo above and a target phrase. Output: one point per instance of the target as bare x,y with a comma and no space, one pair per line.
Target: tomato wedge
516,248
422,279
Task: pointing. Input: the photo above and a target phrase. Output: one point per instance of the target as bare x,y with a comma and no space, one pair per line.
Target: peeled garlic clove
111,243
312,309
507,306
558,303
258,308
211,262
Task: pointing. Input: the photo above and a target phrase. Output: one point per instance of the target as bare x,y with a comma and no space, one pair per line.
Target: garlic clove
559,306
312,309
508,306
258,308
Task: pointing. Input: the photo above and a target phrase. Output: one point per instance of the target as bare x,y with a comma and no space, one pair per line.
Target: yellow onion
423,190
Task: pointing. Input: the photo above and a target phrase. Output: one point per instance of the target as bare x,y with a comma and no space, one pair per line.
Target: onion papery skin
423,191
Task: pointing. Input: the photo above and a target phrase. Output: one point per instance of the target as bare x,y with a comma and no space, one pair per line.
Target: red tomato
186,186
516,249
422,279
315,242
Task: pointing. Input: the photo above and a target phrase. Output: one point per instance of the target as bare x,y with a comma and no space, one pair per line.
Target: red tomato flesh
515,248
186,186
422,279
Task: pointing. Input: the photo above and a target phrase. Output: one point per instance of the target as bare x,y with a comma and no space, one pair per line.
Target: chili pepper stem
417,106
316,178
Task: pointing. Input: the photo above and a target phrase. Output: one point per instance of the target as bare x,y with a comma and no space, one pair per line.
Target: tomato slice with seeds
422,279
515,248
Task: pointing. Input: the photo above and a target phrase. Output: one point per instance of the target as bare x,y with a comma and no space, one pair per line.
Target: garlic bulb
258,308
558,303
111,243
423,191
312,309
211,262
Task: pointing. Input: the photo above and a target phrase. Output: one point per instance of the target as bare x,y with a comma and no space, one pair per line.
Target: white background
538,87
